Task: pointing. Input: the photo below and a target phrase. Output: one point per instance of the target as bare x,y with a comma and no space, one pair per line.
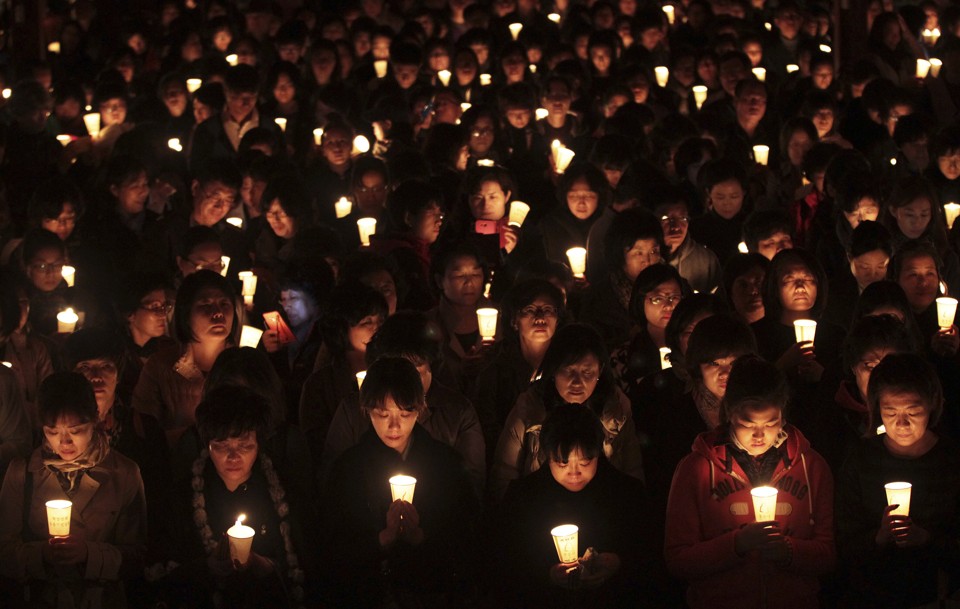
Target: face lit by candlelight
103,375
577,381
233,458
393,424
69,438
574,473
906,417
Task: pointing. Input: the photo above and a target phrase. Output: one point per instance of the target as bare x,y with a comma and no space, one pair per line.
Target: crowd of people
630,266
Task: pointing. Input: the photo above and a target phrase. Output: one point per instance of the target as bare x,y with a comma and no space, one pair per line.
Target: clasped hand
65,551
767,538
586,572
403,523
222,565
901,530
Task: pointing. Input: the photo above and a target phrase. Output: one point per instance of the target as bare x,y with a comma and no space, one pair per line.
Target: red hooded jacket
709,502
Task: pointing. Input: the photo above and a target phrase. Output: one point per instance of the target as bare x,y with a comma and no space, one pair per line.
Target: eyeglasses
481,132
658,301
215,266
668,220
278,216
63,220
48,269
538,312
157,308
373,189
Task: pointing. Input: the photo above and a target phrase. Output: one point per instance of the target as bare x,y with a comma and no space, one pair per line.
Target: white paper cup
237,222
64,139
58,517
670,12
360,376
518,213
361,145
343,207
69,274
233,59
951,211
541,113
249,283
67,321
366,227
225,260
282,123
444,76
935,65
515,29
764,503
898,493
760,73
486,80
761,154
700,95
487,321
664,359
805,329
193,84
380,66
578,261
946,311
250,336
92,122
662,74
566,540
318,136
402,487
564,158
240,538
923,68
792,67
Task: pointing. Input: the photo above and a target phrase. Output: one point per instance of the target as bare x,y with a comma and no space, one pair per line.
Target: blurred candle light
671,13
360,376
792,67
541,113
343,207
174,144
555,17
515,29
237,222
69,274
318,136
760,73
64,139
563,159
232,59
487,322
923,68
486,80
700,95
67,321
193,84
805,330
742,248
578,261
250,336
361,145
366,228
92,122
935,65
282,123
380,66
825,48
761,154
951,211
444,76
6,93
54,47
663,75
225,265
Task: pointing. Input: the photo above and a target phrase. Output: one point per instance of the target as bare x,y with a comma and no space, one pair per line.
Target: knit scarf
708,405
623,288
69,472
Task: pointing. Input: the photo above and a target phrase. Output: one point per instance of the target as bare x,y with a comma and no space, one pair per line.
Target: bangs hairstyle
409,335
523,294
876,332
63,394
568,429
350,303
685,312
900,373
632,225
736,267
569,345
187,296
230,411
754,384
716,337
778,267
397,378
647,281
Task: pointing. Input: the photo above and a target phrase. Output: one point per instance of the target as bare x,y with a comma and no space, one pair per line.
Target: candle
64,139
249,282
792,67
805,330
764,503
541,113
943,287
238,222
67,321
881,430
232,59
380,66
7,364
361,145
69,274
670,13
825,48
563,159
935,65
444,76
761,154
174,144
282,123
555,17
360,376
486,80
464,106
92,123
318,136
700,95
485,163
533,68
946,311
193,84
565,539
250,336
893,161
742,248
768,26
951,211
515,29
366,227
760,73
898,493
662,74
224,264
578,261
53,47
923,67
7,93
487,321
58,517
930,37
240,537
518,213
665,358
343,207
402,488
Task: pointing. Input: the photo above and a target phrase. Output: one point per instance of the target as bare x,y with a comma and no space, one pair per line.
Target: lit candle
250,336
792,67
930,37
92,123
923,68
518,213
943,287
935,65
402,488
665,358
67,321
898,493
174,144
487,322
760,73
881,430
893,161
240,537
951,211
485,163
663,75
343,207
249,283
555,17
515,29
946,311
805,330
7,364
464,106
360,376
380,66
282,123
366,227
64,139
768,26
444,76
58,517
670,12
742,248
361,145
232,59
761,154
578,261
486,80
566,540
700,95
541,113
238,222
764,503
69,274
7,93
533,68
564,157
193,84
318,136
225,262
825,48
54,47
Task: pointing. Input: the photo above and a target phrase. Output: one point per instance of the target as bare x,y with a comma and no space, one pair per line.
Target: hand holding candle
946,312
518,213
240,537
367,227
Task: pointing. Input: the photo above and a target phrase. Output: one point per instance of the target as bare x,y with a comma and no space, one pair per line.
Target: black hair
647,281
568,429
867,237
718,336
219,170
251,368
191,287
569,345
763,224
49,198
443,258
772,307
36,240
410,335
211,94
397,378
230,411
875,332
408,200
517,95
915,248
754,384
314,278
947,140
596,182
911,128
349,304
242,79
737,266
194,238
612,150
631,226
718,171
290,191
687,310
66,393
522,294
905,373
122,168
93,343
